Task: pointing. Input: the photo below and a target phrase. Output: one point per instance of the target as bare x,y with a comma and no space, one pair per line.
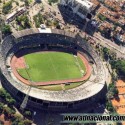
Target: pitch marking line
53,66
26,69
79,66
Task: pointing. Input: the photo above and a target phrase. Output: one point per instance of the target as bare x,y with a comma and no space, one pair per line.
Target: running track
20,63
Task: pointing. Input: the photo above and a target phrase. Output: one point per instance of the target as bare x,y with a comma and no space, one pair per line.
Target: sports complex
51,69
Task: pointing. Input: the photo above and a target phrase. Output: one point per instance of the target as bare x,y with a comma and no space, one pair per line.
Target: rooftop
113,16
85,3
15,12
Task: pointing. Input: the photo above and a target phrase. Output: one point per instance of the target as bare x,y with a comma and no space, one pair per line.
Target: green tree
8,96
27,113
49,23
1,107
55,23
21,123
52,1
23,21
27,122
119,65
115,91
11,102
3,93
6,30
111,85
7,7
16,119
106,53
101,17
8,112
27,2
109,106
38,19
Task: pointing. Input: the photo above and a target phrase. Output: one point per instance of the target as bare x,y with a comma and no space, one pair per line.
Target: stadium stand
87,94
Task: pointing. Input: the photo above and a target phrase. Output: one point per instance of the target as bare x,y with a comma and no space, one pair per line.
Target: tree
115,92
3,93
11,102
38,19
8,96
119,65
23,21
49,23
7,7
113,55
107,32
106,50
52,1
27,122
58,27
109,106
8,112
27,113
6,30
1,107
20,123
101,17
26,2
112,92
111,85
16,119
55,23
19,120
106,53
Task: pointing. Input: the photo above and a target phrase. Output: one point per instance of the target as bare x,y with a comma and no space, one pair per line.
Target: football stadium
51,69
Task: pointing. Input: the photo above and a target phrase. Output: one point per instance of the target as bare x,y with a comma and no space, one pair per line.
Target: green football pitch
50,66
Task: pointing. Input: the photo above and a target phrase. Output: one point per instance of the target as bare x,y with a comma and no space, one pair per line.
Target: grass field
50,66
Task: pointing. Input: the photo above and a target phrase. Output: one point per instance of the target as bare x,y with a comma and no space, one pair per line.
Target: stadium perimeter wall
87,94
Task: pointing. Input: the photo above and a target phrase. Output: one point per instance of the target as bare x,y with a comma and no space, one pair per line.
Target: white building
80,7
16,13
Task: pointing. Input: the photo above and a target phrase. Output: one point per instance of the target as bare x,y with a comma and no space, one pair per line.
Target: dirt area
19,63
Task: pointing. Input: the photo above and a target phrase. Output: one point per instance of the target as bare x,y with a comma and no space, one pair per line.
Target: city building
13,15
80,7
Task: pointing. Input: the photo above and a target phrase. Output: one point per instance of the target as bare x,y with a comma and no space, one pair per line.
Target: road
119,50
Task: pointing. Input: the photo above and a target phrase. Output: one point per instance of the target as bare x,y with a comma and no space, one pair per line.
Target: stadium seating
29,38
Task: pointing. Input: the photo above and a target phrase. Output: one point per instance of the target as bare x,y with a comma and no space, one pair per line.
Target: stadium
51,69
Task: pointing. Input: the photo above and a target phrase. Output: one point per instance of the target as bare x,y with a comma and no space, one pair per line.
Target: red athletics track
17,63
